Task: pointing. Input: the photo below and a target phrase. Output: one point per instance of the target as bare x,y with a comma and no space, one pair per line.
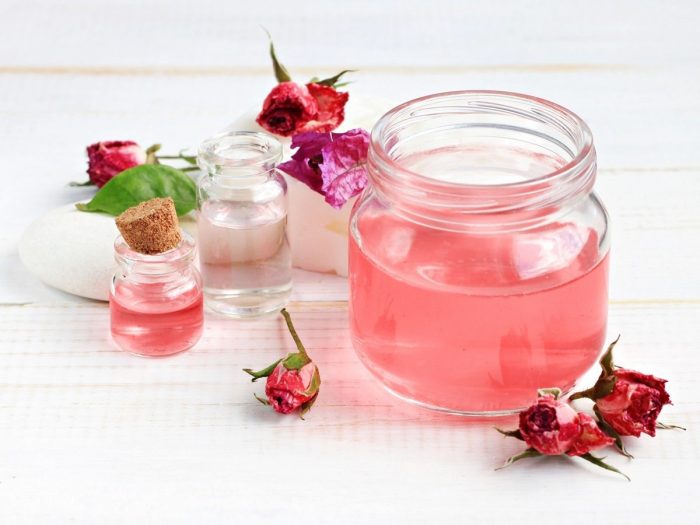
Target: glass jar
155,301
478,254
241,222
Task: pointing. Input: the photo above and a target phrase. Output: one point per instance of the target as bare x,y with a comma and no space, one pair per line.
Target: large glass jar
155,301
478,254
241,225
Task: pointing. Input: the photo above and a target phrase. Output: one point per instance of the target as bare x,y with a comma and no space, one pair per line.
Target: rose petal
331,108
591,437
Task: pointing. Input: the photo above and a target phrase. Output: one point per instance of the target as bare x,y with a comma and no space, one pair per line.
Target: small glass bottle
155,301
241,222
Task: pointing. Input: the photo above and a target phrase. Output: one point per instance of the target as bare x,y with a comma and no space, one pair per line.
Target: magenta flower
332,164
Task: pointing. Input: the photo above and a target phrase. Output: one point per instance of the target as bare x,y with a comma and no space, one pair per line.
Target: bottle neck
160,266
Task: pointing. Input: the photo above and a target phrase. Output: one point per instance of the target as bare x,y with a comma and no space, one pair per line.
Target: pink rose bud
288,390
634,404
292,382
109,158
550,426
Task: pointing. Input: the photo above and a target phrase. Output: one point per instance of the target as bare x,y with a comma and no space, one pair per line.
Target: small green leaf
588,394
307,406
151,157
296,361
604,387
261,399
529,453
610,431
606,362
333,81
281,73
664,426
262,373
511,433
141,183
602,464
79,184
556,392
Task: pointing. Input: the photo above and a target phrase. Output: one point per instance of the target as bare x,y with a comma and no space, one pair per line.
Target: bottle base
247,303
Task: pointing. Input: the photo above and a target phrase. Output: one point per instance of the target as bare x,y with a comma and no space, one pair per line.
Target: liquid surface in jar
149,320
476,323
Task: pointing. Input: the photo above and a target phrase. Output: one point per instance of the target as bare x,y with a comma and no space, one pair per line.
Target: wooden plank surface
92,435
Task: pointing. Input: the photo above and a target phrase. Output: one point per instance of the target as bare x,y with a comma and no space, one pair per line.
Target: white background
91,435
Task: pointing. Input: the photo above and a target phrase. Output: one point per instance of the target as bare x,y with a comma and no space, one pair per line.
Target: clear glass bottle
241,222
478,254
155,301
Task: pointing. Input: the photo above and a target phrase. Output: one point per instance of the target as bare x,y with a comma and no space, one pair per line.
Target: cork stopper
150,227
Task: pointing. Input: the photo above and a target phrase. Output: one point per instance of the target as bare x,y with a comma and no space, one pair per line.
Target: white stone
74,250
318,233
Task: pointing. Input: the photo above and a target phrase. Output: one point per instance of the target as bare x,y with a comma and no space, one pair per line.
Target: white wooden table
91,435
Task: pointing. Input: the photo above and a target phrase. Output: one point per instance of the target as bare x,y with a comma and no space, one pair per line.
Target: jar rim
254,149
584,150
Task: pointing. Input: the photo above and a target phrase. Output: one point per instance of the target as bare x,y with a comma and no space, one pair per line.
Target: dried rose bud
550,426
109,158
288,390
292,108
287,108
627,402
292,382
634,404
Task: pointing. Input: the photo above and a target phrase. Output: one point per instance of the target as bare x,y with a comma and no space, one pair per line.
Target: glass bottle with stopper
155,301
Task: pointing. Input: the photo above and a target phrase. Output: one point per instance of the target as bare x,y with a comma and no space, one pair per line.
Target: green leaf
141,183
511,433
281,73
606,362
295,361
333,81
588,394
610,431
529,453
262,373
602,464
78,184
604,387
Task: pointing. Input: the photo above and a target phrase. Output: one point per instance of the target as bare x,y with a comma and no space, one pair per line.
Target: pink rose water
476,323
150,320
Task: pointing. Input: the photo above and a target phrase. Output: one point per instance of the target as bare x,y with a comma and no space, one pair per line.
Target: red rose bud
287,109
292,108
293,382
634,404
550,426
627,402
288,390
109,158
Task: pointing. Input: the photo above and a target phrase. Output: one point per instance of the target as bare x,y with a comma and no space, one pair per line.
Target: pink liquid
149,319
474,323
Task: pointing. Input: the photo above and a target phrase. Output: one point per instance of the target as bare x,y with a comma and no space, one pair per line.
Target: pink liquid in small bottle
155,319
476,323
